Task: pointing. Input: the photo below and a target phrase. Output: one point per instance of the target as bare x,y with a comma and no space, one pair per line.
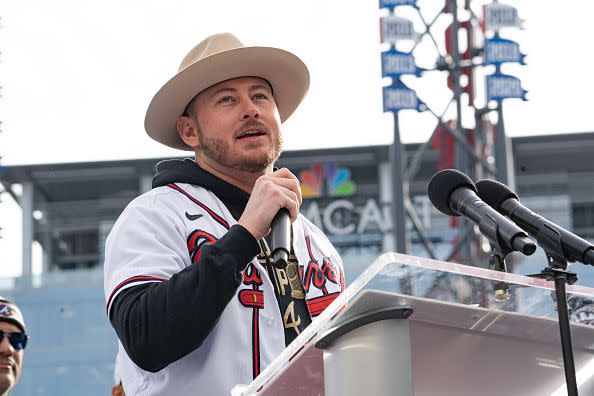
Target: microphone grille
494,192
443,184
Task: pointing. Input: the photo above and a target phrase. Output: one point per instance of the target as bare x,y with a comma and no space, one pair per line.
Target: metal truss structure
478,149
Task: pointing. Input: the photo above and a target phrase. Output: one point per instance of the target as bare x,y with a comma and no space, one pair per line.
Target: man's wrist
251,229
246,236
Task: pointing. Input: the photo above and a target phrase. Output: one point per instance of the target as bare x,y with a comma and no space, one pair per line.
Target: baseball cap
9,312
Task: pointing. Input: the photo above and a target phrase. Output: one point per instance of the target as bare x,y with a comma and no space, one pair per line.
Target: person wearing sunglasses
13,340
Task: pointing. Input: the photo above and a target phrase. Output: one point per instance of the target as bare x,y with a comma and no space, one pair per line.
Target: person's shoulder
167,202
157,194
178,191
158,197
158,203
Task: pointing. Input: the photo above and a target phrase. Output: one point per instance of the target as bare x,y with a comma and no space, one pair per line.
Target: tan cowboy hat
218,58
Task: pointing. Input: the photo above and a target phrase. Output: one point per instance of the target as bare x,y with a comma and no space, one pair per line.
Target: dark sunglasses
17,340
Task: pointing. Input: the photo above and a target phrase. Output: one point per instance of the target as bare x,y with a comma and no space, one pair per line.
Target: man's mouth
251,133
6,365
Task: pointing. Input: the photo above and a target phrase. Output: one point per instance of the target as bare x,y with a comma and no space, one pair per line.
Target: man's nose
6,347
250,111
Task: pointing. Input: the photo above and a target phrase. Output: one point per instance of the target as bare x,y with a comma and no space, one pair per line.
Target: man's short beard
219,151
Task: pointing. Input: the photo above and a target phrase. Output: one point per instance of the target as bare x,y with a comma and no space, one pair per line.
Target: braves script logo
316,274
319,276
196,240
5,310
337,181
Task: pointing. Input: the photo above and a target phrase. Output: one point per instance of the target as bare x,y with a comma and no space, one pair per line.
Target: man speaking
190,287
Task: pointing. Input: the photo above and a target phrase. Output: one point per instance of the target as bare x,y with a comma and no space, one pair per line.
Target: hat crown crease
210,46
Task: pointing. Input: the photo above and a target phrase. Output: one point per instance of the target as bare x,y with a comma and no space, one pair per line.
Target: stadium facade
70,208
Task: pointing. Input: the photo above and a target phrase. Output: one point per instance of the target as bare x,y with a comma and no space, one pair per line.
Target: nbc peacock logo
336,181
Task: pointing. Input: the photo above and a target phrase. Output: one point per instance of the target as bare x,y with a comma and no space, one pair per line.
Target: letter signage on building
352,220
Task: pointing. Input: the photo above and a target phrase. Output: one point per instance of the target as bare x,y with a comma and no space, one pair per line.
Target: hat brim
285,72
15,322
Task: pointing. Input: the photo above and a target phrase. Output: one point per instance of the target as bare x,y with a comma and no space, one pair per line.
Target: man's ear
187,127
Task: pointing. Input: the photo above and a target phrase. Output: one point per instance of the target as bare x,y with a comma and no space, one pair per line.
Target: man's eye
260,96
225,99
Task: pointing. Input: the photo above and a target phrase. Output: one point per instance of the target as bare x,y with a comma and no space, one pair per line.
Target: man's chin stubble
257,166
220,152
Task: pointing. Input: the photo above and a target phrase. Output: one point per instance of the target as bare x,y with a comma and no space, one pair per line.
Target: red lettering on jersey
252,298
317,305
251,276
196,240
316,275
328,270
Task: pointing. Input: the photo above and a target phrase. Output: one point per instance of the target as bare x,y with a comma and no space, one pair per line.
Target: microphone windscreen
443,184
494,192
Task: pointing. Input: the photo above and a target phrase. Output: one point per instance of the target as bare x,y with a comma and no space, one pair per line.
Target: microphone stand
499,251
555,271
497,263
551,242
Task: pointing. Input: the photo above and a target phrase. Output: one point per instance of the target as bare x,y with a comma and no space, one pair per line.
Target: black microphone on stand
454,194
548,234
281,238
559,245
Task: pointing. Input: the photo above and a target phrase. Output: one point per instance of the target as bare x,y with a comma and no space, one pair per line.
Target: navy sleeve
159,323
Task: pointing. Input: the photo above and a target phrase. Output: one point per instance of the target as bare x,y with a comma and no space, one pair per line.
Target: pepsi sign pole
396,97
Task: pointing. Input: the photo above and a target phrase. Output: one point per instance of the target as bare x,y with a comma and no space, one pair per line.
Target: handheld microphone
547,233
453,193
281,238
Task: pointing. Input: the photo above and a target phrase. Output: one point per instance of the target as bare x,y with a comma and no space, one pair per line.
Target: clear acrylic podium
459,340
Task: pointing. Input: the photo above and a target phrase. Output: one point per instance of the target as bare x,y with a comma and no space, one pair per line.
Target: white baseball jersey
160,234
